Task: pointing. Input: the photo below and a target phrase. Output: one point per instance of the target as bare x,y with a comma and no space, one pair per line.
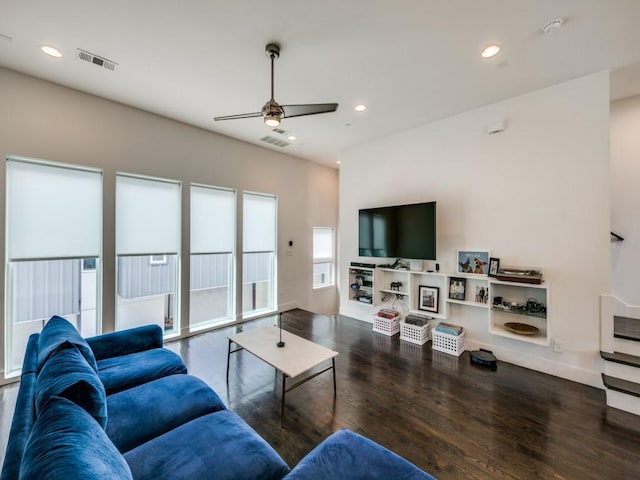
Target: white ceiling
411,61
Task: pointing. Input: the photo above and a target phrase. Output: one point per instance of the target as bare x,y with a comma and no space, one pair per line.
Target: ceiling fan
272,111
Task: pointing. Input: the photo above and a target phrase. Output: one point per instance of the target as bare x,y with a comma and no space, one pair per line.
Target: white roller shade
147,215
53,211
212,220
322,244
259,223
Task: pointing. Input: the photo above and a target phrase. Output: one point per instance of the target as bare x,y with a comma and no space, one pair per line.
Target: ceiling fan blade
240,115
308,109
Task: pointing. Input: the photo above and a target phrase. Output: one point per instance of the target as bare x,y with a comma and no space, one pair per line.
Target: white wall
625,199
43,120
536,194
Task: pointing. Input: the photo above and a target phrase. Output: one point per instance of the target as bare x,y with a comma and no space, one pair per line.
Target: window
148,228
322,257
258,256
53,250
158,259
211,282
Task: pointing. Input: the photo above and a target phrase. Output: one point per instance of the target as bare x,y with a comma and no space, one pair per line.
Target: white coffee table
297,357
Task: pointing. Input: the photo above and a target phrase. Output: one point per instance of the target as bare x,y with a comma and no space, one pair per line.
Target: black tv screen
401,231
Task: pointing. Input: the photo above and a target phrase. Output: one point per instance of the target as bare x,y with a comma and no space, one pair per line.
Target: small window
158,259
323,240
88,264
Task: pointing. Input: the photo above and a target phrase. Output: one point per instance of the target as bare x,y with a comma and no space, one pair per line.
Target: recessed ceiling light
291,137
51,51
338,162
360,107
490,50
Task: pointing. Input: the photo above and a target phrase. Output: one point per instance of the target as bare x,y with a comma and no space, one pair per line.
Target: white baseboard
285,307
543,365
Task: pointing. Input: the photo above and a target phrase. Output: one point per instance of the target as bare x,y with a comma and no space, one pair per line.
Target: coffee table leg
284,377
333,362
228,359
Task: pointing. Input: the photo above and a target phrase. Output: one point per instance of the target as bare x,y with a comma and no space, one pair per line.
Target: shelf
366,304
427,314
467,303
494,281
394,292
540,338
434,274
521,313
394,270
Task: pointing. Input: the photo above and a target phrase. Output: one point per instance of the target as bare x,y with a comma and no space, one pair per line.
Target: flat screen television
401,231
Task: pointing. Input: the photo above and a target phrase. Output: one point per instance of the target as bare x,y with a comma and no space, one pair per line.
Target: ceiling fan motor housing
272,50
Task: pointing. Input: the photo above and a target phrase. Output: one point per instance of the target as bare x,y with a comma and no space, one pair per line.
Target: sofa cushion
127,341
139,414
345,455
126,371
67,374
56,332
217,446
67,443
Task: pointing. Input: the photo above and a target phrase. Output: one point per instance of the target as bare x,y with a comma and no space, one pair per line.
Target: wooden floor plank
452,419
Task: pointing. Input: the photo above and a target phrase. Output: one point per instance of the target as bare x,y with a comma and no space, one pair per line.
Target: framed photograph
494,265
457,288
428,298
473,261
482,294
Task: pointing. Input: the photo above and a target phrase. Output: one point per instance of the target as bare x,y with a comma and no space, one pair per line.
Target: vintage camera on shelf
396,286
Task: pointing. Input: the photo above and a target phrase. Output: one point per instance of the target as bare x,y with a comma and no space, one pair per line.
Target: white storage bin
446,343
386,326
414,333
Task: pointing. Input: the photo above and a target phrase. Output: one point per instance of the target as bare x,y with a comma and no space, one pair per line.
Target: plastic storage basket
444,342
386,326
414,333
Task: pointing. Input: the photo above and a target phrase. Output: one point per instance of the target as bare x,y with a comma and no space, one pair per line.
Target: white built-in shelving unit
480,292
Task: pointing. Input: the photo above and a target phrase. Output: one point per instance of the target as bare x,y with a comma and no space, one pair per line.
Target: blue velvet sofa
120,406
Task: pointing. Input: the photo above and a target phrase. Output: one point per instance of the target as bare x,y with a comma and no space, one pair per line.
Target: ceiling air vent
96,60
280,131
274,141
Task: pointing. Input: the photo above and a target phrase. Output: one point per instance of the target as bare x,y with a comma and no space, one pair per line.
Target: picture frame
457,288
428,298
494,267
482,294
474,262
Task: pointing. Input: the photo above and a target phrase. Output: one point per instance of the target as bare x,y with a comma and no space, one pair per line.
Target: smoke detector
553,25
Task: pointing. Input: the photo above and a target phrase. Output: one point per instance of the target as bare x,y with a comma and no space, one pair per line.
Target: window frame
323,260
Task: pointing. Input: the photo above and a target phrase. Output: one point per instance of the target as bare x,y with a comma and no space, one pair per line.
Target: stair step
626,328
623,358
620,385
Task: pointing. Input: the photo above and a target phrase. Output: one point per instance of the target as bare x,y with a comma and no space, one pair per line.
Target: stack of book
389,314
450,329
416,319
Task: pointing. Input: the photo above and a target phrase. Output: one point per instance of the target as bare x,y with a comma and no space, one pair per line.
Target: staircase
621,374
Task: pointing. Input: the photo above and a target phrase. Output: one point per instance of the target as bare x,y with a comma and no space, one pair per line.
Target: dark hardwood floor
452,419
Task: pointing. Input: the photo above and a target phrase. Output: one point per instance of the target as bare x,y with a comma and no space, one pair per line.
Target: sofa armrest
124,342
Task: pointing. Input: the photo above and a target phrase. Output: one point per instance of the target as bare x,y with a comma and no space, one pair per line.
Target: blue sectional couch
120,406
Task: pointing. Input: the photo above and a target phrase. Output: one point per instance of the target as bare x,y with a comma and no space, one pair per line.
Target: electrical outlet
558,346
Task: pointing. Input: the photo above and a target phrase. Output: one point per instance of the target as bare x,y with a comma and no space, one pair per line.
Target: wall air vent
96,60
274,141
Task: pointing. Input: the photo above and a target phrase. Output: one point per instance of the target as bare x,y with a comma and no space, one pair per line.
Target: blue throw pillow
66,442
56,332
67,374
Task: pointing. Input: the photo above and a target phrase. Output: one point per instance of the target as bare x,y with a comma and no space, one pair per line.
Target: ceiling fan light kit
272,112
